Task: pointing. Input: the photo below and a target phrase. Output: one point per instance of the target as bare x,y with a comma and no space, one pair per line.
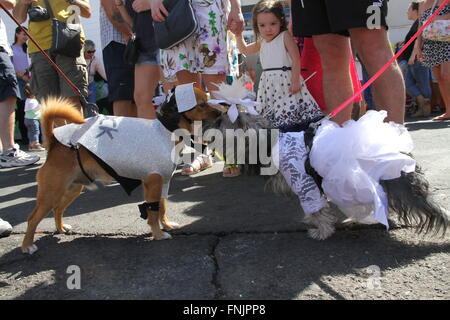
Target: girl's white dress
280,107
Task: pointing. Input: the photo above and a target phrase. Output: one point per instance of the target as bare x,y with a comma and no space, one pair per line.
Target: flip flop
442,117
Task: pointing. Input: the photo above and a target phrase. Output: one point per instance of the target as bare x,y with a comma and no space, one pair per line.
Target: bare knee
334,50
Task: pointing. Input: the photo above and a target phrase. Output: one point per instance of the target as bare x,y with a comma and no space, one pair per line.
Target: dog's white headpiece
235,95
185,97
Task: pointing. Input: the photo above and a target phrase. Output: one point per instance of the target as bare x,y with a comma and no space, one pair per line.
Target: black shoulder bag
179,25
66,37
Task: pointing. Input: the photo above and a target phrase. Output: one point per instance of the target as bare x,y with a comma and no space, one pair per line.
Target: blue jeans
33,130
417,80
92,89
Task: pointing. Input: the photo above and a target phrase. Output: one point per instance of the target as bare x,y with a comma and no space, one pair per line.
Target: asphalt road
237,241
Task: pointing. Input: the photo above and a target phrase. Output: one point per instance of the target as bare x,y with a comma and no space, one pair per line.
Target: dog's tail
409,197
57,108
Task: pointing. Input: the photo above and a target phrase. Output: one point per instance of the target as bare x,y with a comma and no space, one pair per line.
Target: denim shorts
148,58
9,87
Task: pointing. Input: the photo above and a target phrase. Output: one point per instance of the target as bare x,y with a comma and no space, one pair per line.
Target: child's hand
296,86
234,29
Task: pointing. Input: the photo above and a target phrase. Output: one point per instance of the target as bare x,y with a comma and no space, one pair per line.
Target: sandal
442,117
231,170
200,163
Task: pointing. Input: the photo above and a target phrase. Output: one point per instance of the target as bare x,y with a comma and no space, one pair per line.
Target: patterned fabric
435,52
210,50
277,105
292,156
108,31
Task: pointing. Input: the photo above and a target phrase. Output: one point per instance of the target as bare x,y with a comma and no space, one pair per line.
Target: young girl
285,100
32,116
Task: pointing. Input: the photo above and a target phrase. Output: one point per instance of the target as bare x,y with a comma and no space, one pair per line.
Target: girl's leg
146,79
443,76
33,133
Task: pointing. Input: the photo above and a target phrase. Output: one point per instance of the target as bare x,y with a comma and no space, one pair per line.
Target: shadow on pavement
254,266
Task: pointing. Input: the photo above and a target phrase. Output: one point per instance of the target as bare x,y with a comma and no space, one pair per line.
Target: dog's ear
200,96
170,105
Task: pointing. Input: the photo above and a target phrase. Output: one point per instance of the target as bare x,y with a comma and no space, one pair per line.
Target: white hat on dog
185,97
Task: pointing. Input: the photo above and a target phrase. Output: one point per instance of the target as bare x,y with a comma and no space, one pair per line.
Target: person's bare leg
335,54
375,51
7,119
124,108
442,74
185,76
211,80
146,79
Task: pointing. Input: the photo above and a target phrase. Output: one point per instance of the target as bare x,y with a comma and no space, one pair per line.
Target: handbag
66,37
438,30
38,14
131,53
179,25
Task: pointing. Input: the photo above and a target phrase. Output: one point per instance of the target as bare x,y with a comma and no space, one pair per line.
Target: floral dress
282,109
211,49
435,52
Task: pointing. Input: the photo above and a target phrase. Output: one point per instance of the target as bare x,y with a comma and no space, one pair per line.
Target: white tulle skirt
354,158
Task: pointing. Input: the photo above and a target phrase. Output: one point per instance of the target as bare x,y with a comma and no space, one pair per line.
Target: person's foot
16,158
442,117
423,107
35,147
200,163
230,171
5,228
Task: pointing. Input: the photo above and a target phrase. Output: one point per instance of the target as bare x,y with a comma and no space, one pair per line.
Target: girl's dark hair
24,46
269,6
27,91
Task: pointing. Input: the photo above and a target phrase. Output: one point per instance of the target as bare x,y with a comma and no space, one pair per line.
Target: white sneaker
17,158
5,228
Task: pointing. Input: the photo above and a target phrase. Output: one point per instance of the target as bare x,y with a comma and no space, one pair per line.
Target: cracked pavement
237,241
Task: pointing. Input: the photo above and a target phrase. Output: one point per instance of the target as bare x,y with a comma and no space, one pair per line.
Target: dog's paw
320,234
163,236
66,228
30,250
171,226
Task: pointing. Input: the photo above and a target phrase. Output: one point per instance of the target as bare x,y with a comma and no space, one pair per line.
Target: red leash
62,74
382,70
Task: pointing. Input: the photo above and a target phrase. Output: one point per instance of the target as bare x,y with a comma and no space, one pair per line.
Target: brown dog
62,177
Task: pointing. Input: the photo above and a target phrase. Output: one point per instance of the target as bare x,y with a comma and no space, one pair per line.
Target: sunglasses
90,51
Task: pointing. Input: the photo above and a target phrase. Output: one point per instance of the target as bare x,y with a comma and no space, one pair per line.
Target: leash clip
316,125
